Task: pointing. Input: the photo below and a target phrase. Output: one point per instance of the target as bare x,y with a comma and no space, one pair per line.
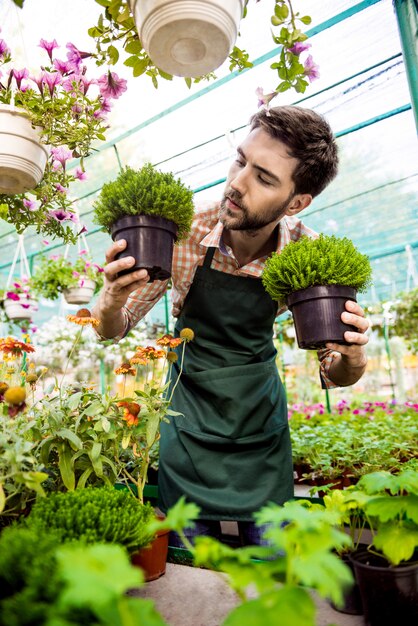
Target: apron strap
208,257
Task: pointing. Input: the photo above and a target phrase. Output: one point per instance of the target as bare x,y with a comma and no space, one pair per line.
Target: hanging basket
81,294
188,38
22,156
20,310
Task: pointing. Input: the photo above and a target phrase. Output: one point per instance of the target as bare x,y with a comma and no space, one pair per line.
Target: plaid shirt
206,233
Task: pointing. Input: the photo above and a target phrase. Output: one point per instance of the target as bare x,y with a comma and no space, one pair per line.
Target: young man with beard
230,449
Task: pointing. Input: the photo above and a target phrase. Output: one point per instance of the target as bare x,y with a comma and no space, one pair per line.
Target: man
230,450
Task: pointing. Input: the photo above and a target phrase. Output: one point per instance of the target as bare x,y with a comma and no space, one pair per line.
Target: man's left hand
354,354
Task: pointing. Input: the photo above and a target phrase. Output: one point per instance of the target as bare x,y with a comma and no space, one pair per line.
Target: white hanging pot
187,37
22,156
22,309
80,294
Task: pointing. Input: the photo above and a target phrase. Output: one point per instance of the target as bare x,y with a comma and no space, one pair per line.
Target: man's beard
244,221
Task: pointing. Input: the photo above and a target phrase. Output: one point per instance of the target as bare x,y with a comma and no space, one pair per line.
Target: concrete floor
189,596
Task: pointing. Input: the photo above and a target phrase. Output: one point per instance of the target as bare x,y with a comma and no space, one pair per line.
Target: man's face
259,189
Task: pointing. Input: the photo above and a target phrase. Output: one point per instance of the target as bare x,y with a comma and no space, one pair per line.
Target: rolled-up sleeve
326,358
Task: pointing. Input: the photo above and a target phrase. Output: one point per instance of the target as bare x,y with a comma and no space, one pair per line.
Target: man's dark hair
309,138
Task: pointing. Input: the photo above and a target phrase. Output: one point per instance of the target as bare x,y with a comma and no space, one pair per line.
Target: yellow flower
172,357
31,379
83,317
187,334
15,395
3,387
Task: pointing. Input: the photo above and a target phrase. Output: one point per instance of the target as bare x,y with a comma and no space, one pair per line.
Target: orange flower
137,359
125,368
83,317
150,353
130,412
169,340
14,346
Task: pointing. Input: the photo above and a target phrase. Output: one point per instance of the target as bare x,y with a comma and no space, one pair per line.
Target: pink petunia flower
111,86
80,174
264,99
311,69
299,47
49,46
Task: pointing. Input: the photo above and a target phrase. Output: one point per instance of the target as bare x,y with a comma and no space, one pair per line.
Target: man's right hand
116,290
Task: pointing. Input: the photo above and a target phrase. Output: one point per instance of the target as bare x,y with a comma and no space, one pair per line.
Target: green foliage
46,583
78,432
95,515
406,318
327,260
149,192
54,275
21,474
300,554
390,505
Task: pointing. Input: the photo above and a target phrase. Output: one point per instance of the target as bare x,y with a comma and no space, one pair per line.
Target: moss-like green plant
53,275
145,192
95,515
327,260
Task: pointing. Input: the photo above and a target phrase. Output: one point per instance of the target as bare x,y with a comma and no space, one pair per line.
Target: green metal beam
407,17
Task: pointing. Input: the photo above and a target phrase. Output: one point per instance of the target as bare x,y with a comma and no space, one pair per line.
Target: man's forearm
112,322
343,373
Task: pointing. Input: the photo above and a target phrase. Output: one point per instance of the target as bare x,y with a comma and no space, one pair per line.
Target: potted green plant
151,210
406,318
46,119
314,278
386,568
78,280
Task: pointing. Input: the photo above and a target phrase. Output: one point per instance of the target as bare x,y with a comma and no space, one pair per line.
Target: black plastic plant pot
389,594
317,315
150,240
351,598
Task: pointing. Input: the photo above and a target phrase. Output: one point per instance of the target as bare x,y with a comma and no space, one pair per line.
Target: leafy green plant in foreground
95,515
327,260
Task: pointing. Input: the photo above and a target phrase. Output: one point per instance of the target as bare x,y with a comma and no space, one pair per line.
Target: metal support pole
386,338
328,401
407,16
102,376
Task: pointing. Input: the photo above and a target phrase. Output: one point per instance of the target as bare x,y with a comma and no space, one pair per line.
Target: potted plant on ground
387,568
314,278
151,210
78,280
46,120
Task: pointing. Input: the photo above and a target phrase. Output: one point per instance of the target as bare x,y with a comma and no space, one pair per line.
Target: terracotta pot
150,240
187,38
153,559
20,310
317,315
22,156
80,295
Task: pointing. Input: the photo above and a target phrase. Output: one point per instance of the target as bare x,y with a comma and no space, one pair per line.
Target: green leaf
65,465
103,568
65,433
82,481
134,47
153,425
180,516
398,543
113,54
2,498
74,400
306,20
294,606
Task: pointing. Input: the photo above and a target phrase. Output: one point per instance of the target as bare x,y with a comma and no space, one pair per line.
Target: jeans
249,533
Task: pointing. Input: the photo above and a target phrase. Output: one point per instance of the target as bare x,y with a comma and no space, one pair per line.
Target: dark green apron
229,451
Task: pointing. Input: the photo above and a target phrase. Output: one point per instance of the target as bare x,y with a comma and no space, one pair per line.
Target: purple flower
311,69
49,46
63,67
299,47
75,56
60,215
45,242
80,174
12,296
61,154
51,79
111,86
264,98
29,204
82,252
19,75
4,50
82,231
60,188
